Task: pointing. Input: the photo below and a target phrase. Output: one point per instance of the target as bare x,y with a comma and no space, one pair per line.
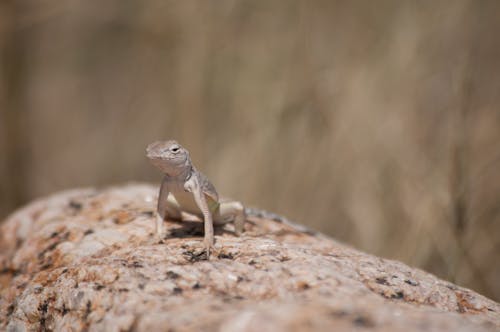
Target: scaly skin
185,189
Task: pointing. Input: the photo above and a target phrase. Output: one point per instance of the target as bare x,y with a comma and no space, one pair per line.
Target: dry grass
376,122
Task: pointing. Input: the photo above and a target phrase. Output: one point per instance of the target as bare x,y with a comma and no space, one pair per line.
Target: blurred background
376,122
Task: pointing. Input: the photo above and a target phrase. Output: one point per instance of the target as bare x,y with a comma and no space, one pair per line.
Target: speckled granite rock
88,260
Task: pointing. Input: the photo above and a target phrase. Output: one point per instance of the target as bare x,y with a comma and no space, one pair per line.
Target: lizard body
185,189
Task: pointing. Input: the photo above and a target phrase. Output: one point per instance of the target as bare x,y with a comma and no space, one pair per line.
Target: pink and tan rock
88,260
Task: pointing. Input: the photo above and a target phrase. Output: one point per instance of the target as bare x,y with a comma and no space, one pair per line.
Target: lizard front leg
161,211
167,207
193,186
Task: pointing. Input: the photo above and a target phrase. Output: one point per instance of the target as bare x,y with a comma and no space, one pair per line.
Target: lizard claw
209,246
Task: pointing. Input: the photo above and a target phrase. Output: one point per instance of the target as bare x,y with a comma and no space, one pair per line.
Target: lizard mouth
157,159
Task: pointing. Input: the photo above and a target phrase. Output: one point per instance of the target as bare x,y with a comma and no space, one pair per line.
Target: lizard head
169,156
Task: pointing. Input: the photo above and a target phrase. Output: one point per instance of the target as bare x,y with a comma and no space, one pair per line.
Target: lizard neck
183,174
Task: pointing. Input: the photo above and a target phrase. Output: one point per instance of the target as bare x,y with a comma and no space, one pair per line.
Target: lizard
185,189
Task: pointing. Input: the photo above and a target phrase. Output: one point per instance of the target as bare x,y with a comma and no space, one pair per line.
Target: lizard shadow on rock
190,229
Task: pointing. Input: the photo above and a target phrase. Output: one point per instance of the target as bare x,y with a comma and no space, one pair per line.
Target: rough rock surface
88,260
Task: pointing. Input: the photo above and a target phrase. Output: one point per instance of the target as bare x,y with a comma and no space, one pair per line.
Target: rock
89,260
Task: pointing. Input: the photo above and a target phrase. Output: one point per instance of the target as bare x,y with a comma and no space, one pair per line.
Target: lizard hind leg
231,211
172,208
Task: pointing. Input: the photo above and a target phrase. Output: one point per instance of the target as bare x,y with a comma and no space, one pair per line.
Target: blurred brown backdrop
377,122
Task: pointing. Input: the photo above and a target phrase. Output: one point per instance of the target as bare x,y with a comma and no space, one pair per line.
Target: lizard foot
161,237
209,246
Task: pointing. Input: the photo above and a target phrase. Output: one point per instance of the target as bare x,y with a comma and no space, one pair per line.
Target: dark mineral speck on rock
87,260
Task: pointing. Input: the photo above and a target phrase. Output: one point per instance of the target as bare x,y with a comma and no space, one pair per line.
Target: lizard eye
174,149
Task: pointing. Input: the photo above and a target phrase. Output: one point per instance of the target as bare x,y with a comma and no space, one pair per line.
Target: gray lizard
185,189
